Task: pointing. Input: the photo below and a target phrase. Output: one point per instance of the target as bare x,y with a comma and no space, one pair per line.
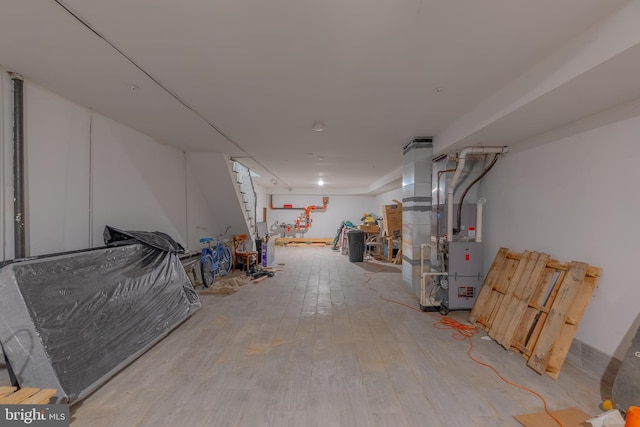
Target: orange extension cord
460,332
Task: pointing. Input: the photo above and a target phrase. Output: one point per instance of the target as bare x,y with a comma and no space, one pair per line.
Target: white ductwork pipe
456,176
479,204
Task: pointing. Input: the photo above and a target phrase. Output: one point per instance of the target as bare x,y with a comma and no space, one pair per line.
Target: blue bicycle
216,259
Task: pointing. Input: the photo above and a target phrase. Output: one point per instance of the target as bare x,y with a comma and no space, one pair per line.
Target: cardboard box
392,219
572,417
373,228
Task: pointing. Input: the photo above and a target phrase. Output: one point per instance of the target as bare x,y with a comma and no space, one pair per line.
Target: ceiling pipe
456,176
18,167
479,204
458,227
438,200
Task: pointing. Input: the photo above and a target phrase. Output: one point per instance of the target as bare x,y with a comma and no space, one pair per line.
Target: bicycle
214,259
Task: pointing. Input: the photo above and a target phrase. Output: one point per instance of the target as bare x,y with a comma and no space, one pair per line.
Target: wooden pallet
27,395
533,304
304,241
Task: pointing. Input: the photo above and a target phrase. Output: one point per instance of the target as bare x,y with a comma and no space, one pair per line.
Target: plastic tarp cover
156,239
74,320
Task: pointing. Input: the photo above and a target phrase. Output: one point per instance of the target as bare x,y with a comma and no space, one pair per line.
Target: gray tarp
71,321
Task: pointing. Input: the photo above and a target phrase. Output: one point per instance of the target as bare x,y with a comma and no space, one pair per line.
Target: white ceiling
250,77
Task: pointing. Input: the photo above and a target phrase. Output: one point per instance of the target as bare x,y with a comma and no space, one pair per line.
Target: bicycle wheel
225,261
208,275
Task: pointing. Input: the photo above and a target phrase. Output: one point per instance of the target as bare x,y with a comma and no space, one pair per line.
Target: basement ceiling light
318,126
320,182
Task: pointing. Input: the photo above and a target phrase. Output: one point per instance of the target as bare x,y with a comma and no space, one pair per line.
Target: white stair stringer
246,194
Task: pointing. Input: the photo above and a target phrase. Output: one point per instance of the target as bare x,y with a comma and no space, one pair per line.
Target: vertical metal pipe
18,167
91,180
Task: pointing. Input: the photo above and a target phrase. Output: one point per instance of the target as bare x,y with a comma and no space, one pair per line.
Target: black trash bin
356,245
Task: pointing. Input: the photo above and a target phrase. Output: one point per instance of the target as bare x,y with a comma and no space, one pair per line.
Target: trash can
356,245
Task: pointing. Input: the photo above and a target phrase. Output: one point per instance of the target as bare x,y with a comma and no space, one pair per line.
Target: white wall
340,208
85,171
387,199
262,201
574,195
199,212
138,184
58,176
218,193
324,224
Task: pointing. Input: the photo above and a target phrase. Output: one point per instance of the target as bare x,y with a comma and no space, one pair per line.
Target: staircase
247,195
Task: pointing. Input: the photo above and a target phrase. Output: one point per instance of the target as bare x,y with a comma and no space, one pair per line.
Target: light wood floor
314,346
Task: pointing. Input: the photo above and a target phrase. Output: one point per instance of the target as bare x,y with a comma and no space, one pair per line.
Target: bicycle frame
216,259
